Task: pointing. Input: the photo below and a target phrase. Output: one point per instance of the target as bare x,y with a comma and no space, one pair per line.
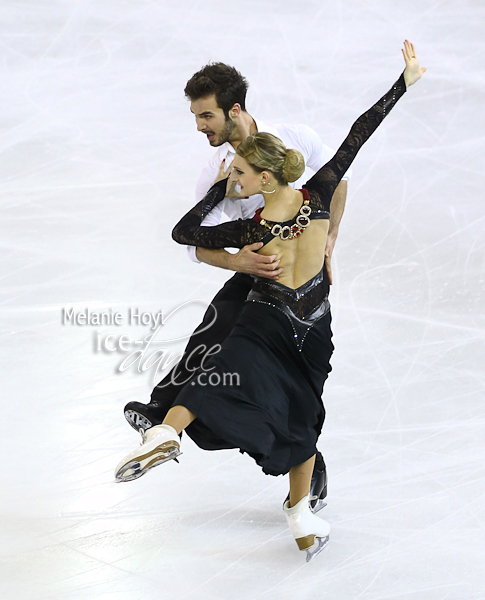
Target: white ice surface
99,158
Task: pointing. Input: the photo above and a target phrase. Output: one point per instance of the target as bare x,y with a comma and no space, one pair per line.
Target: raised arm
326,179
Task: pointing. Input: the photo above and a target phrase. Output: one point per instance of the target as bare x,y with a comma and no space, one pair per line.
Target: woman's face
245,177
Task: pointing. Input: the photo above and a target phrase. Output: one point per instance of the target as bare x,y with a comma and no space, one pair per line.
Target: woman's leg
310,532
179,418
300,480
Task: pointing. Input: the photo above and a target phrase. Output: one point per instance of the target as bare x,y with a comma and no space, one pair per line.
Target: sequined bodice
303,306
301,301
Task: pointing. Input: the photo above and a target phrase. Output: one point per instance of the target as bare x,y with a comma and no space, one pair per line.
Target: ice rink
99,159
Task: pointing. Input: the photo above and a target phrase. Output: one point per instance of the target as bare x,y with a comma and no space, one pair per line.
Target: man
217,95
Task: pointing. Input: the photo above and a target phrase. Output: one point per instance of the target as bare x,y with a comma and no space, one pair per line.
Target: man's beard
225,134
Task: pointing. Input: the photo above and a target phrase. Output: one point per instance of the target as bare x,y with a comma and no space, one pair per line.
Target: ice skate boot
318,487
142,416
160,443
310,532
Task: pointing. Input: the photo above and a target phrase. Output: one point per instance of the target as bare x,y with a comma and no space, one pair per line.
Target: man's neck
246,126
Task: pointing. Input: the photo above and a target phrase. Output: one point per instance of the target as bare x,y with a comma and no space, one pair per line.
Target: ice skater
281,344
217,95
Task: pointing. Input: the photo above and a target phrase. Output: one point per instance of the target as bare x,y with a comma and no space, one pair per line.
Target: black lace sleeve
326,179
234,234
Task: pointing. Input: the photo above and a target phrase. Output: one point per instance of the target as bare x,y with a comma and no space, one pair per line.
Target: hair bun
265,152
294,165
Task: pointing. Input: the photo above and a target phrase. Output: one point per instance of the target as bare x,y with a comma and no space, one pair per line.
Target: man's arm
337,207
245,261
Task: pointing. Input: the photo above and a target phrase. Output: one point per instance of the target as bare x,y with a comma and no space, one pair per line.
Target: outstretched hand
412,72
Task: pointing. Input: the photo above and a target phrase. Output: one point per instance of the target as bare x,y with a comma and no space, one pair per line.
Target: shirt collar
226,151
264,127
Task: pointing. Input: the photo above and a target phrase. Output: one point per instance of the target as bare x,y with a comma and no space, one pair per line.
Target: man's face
211,120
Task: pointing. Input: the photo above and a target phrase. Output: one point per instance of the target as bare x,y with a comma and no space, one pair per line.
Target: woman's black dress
262,391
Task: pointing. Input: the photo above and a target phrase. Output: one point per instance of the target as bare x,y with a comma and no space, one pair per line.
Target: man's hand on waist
248,261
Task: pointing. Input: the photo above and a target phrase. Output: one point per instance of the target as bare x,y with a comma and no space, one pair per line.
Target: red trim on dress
257,215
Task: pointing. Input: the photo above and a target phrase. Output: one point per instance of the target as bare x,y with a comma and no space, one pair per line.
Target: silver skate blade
317,547
137,420
318,506
134,466
138,471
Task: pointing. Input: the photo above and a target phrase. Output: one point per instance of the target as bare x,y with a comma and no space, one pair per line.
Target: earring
265,192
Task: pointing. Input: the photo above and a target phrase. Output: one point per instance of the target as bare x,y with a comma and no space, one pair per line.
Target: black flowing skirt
261,393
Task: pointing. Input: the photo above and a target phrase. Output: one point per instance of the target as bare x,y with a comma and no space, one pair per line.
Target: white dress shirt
299,137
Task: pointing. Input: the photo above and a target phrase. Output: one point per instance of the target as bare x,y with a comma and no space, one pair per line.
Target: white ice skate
310,532
160,443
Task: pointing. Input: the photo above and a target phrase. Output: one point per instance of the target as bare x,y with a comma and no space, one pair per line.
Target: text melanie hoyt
134,317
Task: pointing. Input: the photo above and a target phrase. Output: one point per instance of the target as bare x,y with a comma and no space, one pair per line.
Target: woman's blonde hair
265,152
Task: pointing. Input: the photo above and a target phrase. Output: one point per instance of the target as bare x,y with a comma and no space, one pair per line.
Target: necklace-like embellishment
288,232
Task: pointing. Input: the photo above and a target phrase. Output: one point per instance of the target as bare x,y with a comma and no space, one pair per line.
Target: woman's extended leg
179,418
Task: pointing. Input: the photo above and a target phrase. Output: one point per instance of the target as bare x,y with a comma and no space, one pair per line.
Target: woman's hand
412,72
222,174
231,185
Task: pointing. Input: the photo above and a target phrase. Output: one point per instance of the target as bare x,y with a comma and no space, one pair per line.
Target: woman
281,345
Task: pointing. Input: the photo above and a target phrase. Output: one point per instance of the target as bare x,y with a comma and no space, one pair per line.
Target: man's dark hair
228,85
